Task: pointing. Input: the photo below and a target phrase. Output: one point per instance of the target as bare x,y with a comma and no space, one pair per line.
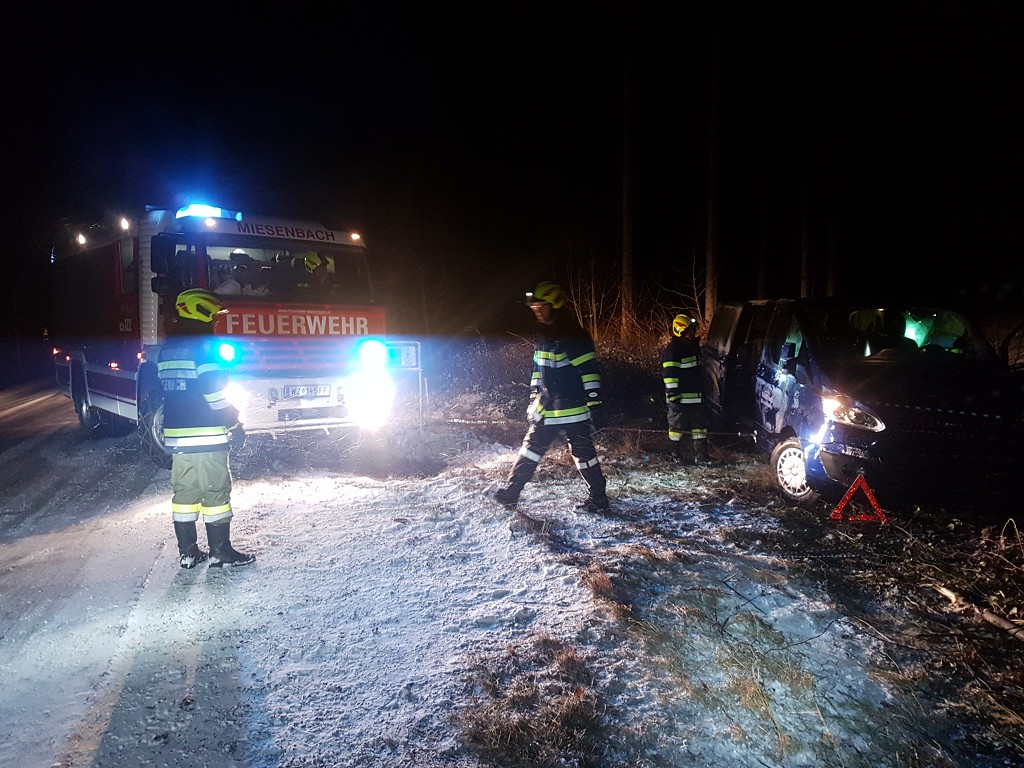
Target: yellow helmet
680,323
549,292
197,304
313,262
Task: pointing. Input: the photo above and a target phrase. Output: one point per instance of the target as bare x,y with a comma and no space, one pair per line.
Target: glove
597,417
236,437
533,413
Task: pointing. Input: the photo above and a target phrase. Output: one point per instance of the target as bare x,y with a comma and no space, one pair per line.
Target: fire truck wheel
89,418
151,431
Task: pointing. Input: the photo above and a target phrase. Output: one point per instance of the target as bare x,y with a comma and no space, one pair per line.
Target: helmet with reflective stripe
680,323
549,292
197,304
313,262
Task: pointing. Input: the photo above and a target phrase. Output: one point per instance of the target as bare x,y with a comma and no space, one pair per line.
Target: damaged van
914,398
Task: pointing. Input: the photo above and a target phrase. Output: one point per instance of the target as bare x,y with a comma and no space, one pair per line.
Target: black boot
678,456
596,500
509,495
700,453
221,551
189,553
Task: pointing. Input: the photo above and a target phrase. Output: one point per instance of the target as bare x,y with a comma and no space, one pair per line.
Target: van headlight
842,410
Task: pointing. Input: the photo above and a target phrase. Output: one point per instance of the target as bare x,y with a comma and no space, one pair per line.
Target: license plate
318,390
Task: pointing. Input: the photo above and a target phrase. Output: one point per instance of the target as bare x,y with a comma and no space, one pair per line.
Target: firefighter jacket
681,372
197,415
566,381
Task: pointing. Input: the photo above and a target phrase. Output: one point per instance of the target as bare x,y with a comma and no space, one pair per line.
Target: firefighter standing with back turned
566,398
684,392
199,427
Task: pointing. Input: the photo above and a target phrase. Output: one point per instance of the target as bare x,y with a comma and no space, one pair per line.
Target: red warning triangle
860,482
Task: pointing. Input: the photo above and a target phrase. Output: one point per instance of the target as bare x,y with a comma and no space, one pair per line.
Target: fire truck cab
302,334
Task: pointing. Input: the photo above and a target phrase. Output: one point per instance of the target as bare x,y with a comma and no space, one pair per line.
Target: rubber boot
509,495
596,500
189,553
221,551
700,453
678,456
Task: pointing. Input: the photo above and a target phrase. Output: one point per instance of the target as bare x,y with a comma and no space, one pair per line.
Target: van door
777,389
715,355
742,365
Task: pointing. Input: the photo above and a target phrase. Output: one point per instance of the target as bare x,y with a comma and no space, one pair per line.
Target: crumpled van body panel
913,398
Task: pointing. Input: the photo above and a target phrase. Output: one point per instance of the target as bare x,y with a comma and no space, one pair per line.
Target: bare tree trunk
805,242
626,290
762,256
832,280
711,252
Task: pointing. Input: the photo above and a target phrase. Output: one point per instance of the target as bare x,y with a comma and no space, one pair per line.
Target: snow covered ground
395,617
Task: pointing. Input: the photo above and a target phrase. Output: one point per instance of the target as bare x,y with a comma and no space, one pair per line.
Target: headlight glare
842,410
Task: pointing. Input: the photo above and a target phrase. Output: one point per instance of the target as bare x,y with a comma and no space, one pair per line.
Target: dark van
914,398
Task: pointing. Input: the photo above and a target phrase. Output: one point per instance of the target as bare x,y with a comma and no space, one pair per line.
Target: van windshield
897,332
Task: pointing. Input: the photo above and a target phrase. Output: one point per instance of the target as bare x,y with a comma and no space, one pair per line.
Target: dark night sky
488,143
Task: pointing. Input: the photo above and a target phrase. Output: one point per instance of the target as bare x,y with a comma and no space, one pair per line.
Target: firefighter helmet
550,293
680,323
313,262
198,304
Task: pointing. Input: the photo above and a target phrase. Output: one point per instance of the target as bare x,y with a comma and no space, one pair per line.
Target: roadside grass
929,585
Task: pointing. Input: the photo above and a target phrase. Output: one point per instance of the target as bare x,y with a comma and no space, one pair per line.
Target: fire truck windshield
289,274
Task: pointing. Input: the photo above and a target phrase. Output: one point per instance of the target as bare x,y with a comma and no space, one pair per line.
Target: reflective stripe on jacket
566,376
681,372
197,414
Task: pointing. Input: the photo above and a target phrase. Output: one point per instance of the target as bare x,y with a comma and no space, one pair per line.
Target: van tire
790,473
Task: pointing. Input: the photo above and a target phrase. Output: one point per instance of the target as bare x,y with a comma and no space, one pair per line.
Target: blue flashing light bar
202,211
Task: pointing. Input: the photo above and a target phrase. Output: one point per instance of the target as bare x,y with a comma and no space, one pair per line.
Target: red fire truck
302,334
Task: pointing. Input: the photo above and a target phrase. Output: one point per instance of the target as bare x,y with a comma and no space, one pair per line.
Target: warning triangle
861,483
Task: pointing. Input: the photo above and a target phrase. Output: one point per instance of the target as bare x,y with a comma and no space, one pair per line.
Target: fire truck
302,335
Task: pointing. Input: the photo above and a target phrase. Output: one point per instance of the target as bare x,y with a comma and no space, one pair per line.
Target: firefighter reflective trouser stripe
687,418
202,486
538,440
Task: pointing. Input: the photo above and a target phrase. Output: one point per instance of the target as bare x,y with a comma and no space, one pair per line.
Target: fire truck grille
294,354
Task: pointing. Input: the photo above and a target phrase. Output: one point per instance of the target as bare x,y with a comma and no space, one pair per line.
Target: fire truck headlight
227,352
369,395
238,397
373,355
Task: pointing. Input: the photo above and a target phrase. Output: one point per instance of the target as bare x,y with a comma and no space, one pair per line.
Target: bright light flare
238,397
227,352
373,355
843,411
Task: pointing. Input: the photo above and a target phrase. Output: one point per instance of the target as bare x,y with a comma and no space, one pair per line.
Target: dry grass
537,705
534,706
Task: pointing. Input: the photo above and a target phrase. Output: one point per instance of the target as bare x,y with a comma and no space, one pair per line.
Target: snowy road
394,617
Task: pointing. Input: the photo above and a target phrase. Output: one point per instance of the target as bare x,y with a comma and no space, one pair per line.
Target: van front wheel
791,473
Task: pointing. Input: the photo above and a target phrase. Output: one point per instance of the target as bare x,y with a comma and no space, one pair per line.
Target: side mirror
162,285
161,254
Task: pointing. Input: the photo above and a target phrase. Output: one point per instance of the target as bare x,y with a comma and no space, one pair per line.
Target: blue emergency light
203,211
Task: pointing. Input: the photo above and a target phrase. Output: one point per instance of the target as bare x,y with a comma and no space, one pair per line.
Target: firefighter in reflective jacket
684,392
566,398
199,427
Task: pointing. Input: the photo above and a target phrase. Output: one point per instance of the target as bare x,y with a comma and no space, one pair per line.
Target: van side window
785,330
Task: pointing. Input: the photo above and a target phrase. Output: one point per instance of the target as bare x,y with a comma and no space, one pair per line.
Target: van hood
921,383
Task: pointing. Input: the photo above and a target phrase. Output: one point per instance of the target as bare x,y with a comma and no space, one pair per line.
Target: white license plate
319,390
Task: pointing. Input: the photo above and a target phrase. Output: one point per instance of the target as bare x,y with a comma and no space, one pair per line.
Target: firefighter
200,424
565,398
684,392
